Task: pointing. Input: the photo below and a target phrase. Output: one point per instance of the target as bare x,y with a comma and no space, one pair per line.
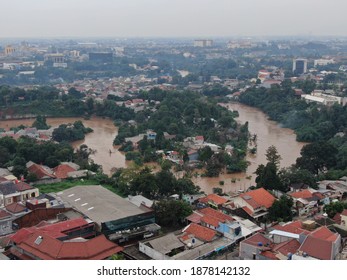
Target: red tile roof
40,171
256,239
216,214
302,194
319,243
209,220
317,248
62,170
216,199
21,186
49,248
200,232
292,227
318,195
325,234
269,255
53,230
247,210
194,218
258,198
15,208
291,246
4,214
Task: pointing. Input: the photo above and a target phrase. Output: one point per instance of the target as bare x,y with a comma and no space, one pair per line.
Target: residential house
321,244
305,202
62,171
213,200
260,247
12,192
41,171
221,222
255,203
61,241
194,242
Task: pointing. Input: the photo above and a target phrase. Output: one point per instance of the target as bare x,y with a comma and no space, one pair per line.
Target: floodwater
268,133
100,140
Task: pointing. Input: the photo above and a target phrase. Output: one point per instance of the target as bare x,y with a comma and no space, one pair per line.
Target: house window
9,200
33,194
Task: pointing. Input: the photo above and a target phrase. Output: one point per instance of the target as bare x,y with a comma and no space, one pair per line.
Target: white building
203,43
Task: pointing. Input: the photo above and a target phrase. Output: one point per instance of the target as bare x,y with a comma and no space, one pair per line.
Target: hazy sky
171,18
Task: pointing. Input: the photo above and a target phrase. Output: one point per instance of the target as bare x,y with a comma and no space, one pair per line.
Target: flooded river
100,140
268,133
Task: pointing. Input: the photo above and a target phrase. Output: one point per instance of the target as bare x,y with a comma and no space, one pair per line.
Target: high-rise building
299,66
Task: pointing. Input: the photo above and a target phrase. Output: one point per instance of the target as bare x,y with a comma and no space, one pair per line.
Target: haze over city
167,18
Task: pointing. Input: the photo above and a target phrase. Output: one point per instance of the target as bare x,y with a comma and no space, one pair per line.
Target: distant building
299,66
101,57
203,43
323,62
9,50
55,57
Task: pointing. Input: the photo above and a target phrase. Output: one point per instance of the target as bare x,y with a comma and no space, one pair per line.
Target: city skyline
164,18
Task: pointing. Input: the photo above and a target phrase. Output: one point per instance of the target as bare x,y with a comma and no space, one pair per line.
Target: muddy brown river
268,133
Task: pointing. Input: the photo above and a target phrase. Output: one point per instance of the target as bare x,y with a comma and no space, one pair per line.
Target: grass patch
58,187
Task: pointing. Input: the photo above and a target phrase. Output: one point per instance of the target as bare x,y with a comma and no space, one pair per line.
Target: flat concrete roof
99,204
166,243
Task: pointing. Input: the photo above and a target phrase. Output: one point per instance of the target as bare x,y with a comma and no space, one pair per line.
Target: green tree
40,122
272,156
268,178
281,210
317,157
333,208
170,213
293,175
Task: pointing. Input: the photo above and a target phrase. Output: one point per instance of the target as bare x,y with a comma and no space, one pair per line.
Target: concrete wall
155,255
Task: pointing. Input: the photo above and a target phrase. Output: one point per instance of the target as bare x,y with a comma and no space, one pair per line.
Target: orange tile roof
218,200
200,232
302,194
97,248
269,255
291,246
39,171
292,227
319,243
210,220
4,214
217,214
256,239
194,218
21,186
247,210
317,248
15,208
62,170
325,234
259,198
